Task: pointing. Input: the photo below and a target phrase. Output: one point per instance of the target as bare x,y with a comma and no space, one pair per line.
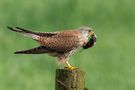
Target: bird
60,44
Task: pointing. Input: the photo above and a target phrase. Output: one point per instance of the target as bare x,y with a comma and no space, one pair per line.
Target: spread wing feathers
37,50
31,34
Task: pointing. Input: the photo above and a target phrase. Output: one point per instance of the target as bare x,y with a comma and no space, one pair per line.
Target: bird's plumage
60,44
62,41
31,34
36,50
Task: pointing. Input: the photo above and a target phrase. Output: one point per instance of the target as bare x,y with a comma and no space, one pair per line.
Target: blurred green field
109,65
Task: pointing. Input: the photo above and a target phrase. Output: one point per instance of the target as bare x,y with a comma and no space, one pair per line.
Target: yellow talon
69,67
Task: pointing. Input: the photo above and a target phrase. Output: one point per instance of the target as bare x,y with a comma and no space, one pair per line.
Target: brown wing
62,41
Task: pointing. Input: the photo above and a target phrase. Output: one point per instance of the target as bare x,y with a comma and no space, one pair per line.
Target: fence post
69,79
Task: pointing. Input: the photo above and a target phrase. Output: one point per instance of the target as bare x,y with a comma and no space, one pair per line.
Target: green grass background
109,65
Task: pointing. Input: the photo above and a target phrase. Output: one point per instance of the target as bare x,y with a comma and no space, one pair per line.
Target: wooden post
69,79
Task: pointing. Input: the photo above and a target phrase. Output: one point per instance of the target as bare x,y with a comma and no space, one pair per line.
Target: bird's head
91,35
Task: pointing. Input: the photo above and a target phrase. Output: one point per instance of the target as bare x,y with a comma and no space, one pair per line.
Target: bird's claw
70,68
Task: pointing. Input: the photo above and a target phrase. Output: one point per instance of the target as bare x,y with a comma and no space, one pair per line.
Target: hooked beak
91,33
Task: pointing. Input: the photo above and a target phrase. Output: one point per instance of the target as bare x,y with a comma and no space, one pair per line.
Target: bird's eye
89,31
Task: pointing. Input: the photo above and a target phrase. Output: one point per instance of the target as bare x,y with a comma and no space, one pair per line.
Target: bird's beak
91,33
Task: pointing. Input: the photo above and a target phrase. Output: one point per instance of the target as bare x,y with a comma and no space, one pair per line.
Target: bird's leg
69,67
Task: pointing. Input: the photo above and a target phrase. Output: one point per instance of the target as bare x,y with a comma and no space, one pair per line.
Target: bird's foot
70,68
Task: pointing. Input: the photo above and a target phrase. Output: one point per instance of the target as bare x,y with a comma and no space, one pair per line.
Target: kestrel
60,44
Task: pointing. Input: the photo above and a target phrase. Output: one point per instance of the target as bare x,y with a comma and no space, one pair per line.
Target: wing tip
16,52
10,28
13,29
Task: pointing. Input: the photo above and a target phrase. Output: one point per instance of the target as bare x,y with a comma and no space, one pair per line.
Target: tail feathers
25,32
37,50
